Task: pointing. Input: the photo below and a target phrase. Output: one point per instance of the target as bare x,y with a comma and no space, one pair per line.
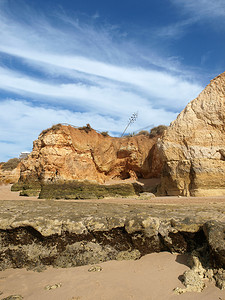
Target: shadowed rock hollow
193,146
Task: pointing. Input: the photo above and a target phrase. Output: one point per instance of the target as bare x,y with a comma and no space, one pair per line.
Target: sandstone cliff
193,147
67,153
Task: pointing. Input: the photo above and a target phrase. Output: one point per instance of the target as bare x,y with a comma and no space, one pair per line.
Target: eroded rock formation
68,153
10,171
36,234
193,146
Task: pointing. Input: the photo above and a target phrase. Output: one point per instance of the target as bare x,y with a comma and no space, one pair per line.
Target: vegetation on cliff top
10,164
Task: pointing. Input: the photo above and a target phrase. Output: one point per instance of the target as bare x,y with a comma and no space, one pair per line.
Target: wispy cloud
192,12
25,122
76,72
202,9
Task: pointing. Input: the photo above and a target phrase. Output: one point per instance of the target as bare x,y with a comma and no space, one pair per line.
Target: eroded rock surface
67,153
10,173
35,234
193,147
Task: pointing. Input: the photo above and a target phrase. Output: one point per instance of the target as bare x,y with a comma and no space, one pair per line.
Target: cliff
65,153
193,146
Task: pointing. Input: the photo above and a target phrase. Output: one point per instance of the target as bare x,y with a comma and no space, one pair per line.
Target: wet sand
153,277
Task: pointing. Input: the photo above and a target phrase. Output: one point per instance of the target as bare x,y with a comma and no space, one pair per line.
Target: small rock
220,279
128,255
95,269
52,287
146,196
192,282
13,297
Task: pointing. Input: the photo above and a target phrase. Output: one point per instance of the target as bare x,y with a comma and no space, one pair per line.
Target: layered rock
36,234
193,146
67,153
9,173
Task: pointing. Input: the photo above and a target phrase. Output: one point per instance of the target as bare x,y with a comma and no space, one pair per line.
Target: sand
153,277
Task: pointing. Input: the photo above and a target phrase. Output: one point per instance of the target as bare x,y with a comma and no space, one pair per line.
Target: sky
98,62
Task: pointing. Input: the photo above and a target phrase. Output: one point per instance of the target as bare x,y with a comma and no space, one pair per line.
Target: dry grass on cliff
157,130
10,164
86,128
53,128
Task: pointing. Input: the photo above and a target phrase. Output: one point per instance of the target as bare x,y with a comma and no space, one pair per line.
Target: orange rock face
68,153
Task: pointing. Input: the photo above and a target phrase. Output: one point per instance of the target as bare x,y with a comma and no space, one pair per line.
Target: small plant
104,133
157,130
53,128
143,132
86,128
10,164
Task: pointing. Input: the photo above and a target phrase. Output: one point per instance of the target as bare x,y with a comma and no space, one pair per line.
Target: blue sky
97,62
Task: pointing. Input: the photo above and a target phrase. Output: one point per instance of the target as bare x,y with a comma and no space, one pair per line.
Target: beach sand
153,277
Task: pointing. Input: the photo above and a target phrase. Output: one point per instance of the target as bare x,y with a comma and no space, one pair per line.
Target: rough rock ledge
35,234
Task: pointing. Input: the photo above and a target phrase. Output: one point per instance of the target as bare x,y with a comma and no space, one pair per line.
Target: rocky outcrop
65,153
10,171
36,234
193,146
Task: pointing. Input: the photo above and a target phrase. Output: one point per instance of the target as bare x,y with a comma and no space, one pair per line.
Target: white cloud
79,67
199,10
192,12
202,8
21,123
169,91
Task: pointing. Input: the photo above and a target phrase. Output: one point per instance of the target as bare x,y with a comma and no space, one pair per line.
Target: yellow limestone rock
193,146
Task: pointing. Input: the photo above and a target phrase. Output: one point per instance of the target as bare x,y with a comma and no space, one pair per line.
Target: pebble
13,297
95,269
52,287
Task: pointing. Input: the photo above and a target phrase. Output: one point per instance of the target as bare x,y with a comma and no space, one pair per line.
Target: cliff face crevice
64,153
192,148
